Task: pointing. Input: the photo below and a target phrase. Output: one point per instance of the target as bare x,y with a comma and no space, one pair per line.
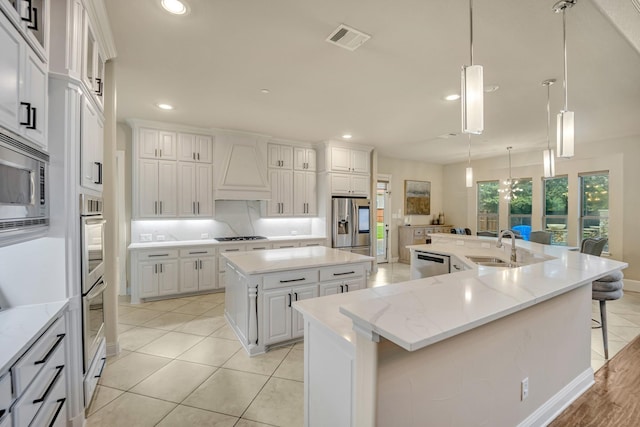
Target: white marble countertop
21,326
211,242
421,312
259,262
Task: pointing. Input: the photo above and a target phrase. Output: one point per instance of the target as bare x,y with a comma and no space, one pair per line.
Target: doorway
383,206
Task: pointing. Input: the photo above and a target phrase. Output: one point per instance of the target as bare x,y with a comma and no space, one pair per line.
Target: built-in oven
93,321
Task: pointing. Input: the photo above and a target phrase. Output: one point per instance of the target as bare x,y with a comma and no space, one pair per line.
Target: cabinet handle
104,362
198,253
155,153
293,280
341,288
289,300
198,205
51,384
155,207
231,250
99,181
193,155
157,255
161,152
155,270
100,86
347,286
34,120
51,350
60,405
200,261
28,122
343,274
295,294
195,265
160,203
198,156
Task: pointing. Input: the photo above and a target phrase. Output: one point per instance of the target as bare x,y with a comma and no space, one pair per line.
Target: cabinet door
280,156
354,284
207,273
277,315
91,147
301,293
10,70
299,159
167,147
274,205
189,275
340,159
168,278
35,93
331,288
299,193
167,182
360,161
340,184
311,159
286,192
360,185
147,188
186,147
187,193
204,146
204,190
147,143
148,279
311,191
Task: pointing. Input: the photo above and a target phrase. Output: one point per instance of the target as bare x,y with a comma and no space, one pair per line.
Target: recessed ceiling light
165,106
265,91
347,136
174,6
452,97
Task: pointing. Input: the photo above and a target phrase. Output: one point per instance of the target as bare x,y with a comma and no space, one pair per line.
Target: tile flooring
181,365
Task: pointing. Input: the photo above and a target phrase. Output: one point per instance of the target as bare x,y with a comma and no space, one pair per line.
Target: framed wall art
417,197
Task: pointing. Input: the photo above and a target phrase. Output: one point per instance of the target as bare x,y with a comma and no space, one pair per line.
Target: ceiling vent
347,37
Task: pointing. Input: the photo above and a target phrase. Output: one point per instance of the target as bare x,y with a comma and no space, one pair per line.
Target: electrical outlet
146,237
524,388
160,237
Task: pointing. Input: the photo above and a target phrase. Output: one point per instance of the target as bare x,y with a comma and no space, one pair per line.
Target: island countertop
273,260
421,312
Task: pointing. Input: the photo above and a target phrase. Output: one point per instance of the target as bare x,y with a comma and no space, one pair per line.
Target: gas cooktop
239,238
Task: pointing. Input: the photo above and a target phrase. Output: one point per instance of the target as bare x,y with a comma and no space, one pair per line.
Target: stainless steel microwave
24,204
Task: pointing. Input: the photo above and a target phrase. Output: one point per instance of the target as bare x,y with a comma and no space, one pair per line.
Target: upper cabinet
23,91
352,160
195,148
32,18
280,156
156,144
304,159
93,63
91,147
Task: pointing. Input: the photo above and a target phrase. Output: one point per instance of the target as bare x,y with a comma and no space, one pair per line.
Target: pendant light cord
548,116
564,38
469,149
471,30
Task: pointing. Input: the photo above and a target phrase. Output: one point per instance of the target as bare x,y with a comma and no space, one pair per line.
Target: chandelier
510,188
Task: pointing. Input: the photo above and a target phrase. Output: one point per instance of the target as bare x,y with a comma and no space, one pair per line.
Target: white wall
619,157
401,170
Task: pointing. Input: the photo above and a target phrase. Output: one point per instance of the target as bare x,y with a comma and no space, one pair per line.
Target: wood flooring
614,399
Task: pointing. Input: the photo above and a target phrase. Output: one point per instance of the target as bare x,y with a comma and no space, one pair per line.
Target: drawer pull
104,362
51,384
232,250
293,280
157,255
51,350
60,405
346,286
197,252
345,273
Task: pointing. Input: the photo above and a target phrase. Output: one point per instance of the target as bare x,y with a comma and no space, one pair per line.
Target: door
206,273
204,147
147,143
204,192
10,64
301,293
360,185
361,222
148,188
382,220
277,312
167,145
35,93
340,184
92,138
187,185
187,147
189,275
340,159
312,193
167,182
148,279
360,161
330,288
168,278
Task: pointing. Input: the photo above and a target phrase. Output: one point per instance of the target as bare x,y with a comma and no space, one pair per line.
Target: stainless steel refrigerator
351,225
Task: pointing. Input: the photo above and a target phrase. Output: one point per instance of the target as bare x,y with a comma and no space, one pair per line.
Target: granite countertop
20,327
212,242
258,262
421,312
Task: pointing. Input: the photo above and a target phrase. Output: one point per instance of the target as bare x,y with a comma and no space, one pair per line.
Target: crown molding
98,16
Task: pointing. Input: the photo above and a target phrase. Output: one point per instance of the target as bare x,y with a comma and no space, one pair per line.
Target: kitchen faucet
513,243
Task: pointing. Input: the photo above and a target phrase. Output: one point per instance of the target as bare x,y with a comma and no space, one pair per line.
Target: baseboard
394,259
113,349
77,421
560,401
631,285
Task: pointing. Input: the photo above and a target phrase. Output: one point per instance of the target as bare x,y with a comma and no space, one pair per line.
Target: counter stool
606,288
543,237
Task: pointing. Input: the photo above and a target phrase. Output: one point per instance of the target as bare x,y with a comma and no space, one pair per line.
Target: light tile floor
181,365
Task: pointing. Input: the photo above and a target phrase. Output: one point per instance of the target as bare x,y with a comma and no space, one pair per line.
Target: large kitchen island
263,285
486,346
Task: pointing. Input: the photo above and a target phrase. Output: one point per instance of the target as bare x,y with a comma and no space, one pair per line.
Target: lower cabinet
342,286
158,278
197,273
281,322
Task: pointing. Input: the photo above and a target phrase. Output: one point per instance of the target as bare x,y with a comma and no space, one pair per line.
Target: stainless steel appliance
24,204
93,321
351,225
427,264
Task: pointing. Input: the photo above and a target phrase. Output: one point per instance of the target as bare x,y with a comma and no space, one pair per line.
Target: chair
603,289
522,230
543,237
467,231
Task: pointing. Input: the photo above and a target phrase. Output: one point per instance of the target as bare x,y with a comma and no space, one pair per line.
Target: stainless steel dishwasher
427,264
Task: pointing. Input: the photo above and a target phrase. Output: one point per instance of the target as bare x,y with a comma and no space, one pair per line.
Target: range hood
240,167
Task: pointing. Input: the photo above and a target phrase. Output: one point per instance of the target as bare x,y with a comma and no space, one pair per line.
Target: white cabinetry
281,321
342,279
93,63
158,274
197,270
156,194
195,192
348,170
352,160
343,184
280,156
92,143
23,92
305,194
32,18
156,144
304,159
195,148
281,203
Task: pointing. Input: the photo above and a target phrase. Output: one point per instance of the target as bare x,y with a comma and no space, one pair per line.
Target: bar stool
543,237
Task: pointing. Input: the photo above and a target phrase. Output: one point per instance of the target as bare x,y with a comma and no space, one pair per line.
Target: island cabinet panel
342,286
281,322
289,278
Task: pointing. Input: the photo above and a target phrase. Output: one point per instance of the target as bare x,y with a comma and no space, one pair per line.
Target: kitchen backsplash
232,218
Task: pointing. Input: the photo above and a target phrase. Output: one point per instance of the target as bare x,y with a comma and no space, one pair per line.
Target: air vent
636,4
21,224
347,37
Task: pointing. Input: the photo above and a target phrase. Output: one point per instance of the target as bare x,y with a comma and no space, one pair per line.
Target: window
594,205
520,207
556,208
488,202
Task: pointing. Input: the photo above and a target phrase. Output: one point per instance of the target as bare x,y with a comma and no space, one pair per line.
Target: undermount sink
488,261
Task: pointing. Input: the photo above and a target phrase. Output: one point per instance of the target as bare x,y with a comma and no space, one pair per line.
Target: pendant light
510,191
548,156
472,90
565,121
469,171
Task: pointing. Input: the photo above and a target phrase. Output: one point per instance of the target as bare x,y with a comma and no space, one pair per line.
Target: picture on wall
417,197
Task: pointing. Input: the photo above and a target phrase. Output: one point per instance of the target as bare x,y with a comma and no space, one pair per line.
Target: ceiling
212,64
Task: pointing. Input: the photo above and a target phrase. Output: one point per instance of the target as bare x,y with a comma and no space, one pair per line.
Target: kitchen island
456,349
263,285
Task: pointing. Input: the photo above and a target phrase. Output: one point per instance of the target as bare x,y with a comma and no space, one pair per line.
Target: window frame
491,216
545,217
582,217
521,216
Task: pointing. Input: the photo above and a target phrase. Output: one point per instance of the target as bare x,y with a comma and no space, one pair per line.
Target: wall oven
24,204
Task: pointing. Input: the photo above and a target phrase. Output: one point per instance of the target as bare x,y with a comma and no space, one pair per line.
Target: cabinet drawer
5,420
40,390
341,272
197,252
418,232
259,246
290,278
53,412
26,369
5,393
284,245
158,255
